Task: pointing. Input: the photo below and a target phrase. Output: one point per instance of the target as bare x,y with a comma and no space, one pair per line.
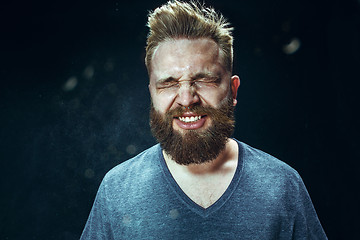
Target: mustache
199,110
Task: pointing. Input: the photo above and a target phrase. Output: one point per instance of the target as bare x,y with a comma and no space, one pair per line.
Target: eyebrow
206,76
165,80
196,76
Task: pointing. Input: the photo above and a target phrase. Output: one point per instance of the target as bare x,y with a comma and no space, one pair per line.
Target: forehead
180,56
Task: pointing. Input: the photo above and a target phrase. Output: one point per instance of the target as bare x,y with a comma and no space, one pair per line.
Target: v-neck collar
204,212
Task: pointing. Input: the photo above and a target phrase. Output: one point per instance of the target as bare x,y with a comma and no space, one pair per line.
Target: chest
204,190
160,215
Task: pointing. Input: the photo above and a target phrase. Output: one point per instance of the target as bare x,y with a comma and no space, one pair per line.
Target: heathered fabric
266,199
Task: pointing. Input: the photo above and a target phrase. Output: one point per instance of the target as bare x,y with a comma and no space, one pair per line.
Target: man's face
191,92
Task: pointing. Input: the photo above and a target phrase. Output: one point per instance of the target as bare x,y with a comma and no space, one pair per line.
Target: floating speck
89,173
89,72
112,88
174,213
257,51
109,65
131,149
292,47
126,219
70,84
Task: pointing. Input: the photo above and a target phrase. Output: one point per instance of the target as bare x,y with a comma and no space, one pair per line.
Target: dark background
74,103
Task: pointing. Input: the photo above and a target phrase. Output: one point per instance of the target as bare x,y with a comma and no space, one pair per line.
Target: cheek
162,102
214,96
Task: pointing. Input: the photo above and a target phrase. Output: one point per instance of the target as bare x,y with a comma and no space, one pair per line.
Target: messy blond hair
191,20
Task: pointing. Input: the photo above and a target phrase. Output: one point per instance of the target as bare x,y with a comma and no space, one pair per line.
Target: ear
235,83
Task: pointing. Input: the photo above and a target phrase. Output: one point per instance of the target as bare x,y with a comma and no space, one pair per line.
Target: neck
224,162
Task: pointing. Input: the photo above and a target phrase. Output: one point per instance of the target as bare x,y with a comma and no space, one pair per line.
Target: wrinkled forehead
199,45
181,55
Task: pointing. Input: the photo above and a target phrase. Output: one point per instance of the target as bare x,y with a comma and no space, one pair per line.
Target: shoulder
265,171
260,161
141,167
134,181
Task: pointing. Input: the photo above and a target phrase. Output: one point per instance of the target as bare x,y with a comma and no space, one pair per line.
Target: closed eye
167,83
207,82
204,78
199,80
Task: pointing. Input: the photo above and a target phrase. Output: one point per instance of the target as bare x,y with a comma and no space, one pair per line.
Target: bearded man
198,183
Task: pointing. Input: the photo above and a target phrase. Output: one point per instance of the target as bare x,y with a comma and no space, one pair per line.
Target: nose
187,95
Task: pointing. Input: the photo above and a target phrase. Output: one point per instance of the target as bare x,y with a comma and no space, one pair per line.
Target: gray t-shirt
139,199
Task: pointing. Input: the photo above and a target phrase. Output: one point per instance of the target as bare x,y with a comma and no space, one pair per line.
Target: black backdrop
74,102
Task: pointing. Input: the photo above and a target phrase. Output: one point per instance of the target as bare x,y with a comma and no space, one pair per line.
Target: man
198,183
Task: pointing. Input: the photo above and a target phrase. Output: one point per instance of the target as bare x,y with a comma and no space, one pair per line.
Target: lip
190,125
187,114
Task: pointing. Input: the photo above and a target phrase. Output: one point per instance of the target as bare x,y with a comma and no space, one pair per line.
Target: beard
199,145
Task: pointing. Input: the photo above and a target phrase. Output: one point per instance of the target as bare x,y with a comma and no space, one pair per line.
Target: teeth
189,119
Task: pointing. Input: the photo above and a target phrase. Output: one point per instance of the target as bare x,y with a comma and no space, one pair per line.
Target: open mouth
190,119
189,122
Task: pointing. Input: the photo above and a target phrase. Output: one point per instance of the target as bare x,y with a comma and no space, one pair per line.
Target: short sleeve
98,225
306,224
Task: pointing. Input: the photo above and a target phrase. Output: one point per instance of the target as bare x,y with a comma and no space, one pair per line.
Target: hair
192,20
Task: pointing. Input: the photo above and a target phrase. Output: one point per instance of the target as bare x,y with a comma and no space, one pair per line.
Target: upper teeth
189,119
